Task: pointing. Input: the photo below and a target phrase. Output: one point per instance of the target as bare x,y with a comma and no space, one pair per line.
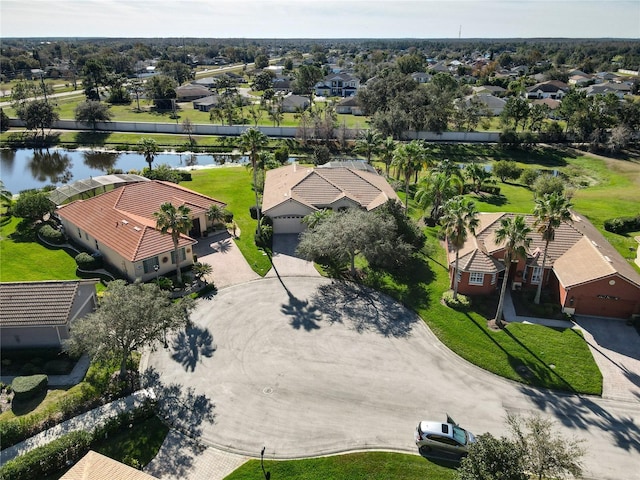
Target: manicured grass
232,185
138,444
24,259
355,466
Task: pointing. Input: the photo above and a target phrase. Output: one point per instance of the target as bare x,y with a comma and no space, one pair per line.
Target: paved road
307,367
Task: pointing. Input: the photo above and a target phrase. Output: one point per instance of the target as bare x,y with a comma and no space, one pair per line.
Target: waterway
24,169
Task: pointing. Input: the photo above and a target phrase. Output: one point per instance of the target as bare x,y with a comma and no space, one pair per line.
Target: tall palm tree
477,175
5,195
175,221
386,152
252,140
514,233
408,159
550,211
368,143
435,190
149,148
460,218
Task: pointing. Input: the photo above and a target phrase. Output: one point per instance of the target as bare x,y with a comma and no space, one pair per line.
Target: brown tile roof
94,466
46,303
123,220
323,187
478,261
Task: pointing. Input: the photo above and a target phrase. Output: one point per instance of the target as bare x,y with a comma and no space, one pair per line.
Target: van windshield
460,435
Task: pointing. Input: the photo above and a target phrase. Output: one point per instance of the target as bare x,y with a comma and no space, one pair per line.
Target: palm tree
148,147
386,151
316,218
477,175
252,140
513,232
435,190
368,143
177,222
408,159
215,214
550,211
460,216
5,195
201,270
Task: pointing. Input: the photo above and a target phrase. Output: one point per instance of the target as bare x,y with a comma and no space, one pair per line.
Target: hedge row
51,235
56,455
25,388
622,224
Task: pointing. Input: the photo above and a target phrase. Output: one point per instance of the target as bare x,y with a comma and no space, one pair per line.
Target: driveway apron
285,261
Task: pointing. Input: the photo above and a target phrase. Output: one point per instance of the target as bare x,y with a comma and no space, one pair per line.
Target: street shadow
180,407
191,345
303,314
582,412
364,309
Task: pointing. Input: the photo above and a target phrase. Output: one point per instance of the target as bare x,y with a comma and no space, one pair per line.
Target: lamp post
267,475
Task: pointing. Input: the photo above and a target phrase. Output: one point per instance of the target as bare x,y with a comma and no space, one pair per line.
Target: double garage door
288,224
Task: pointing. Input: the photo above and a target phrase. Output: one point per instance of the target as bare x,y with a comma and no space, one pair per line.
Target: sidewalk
87,421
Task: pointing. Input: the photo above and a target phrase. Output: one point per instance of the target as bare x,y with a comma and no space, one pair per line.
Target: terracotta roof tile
94,466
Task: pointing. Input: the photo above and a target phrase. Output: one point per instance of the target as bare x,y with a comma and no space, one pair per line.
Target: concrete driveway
229,265
285,261
308,367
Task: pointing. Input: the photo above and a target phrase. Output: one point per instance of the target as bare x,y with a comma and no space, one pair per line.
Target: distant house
421,77
207,103
553,89
292,192
337,85
38,314
121,226
188,93
617,89
294,103
349,105
207,82
489,90
282,84
585,274
492,104
579,80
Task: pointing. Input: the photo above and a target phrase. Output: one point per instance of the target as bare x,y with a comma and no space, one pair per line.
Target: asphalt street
308,367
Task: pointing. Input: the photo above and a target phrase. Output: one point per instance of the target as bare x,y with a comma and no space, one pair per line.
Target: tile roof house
190,92
554,89
121,226
337,85
494,105
292,192
294,103
35,314
585,274
95,466
349,105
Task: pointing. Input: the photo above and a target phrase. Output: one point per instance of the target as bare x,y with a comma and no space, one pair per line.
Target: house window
536,274
494,277
79,233
149,264
458,276
181,253
97,246
476,278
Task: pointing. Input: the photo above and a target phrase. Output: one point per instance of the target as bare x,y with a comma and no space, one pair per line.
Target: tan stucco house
38,314
121,226
294,191
586,275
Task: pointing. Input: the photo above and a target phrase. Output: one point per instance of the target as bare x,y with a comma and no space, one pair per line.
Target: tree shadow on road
191,345
364,309
176,457
303,314
583,413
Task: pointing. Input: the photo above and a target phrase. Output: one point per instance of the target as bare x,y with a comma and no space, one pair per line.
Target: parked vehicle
443,438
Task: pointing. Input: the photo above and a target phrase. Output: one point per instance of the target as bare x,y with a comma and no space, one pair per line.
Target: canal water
27,168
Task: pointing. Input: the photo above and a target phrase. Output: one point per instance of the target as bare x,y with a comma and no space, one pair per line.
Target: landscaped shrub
228,216
529,176
622,225
48,459
51,235
58,367
462,302
490,189
28,387
86,261
165,283
253,210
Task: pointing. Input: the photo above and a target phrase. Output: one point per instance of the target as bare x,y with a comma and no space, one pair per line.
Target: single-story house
293,191
121,226
349,105
38,314
494,105
294,103
421,77
207,103
95,466
189,93
618,89
554,89
584,273
207,82
337,85
489,89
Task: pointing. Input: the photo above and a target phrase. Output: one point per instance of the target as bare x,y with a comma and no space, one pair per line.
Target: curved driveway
308,367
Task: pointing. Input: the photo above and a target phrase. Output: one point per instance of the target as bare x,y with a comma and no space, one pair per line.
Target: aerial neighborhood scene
281,239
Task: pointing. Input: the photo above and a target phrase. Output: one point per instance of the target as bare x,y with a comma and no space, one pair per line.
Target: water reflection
103,161
7,160
54,167
191,160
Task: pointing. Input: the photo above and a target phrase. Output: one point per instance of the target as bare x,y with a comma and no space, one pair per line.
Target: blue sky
320,18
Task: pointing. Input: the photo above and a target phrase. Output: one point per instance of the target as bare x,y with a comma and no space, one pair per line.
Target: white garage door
288,224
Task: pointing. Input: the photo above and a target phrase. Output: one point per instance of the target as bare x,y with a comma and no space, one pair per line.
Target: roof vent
137,229
124,222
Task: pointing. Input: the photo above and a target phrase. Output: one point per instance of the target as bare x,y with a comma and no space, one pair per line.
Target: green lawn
355,466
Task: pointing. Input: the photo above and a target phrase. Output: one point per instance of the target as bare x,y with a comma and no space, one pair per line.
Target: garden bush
51,235
622,225
48,459
490,189
529,176
86,261
28,387
253,211
462,302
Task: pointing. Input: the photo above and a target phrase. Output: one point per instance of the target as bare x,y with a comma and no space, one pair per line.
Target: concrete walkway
87,421
73,378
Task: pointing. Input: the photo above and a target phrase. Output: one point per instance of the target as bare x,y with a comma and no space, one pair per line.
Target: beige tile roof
478,261
94,466
46,303
323,187
123,220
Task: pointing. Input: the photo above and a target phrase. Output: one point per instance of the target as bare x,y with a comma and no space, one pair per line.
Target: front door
195,231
